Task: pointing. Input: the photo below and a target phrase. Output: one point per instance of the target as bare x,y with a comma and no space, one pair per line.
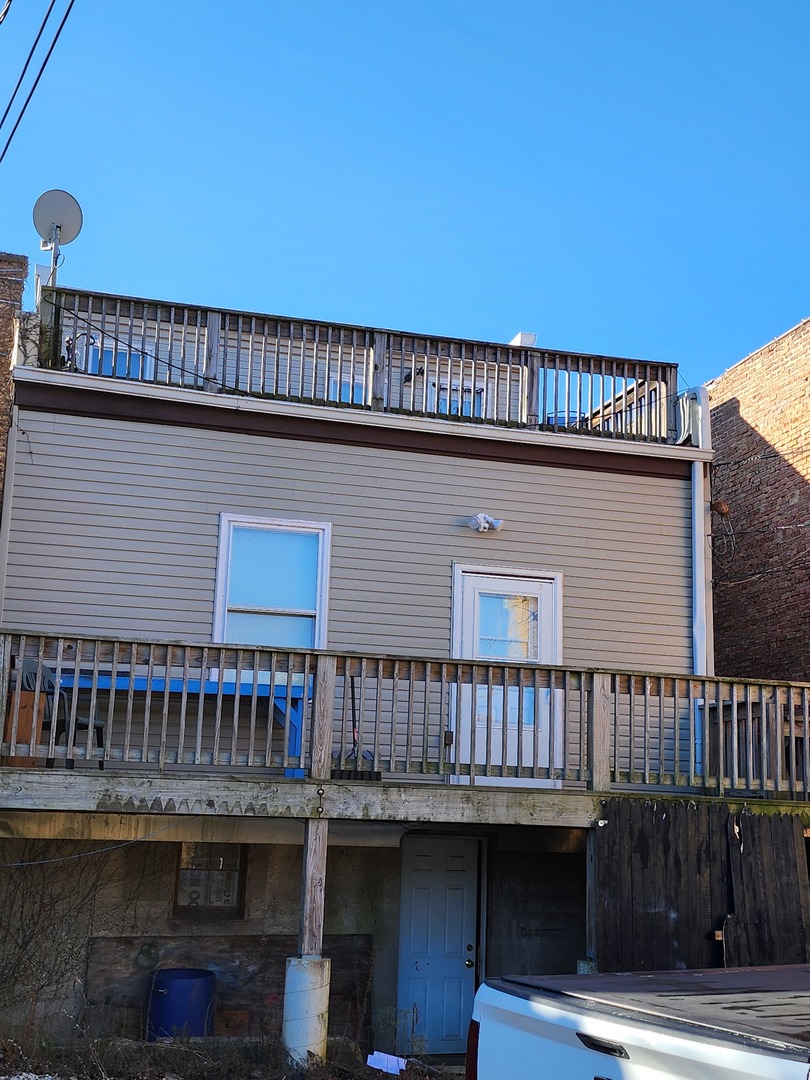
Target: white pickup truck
725,1024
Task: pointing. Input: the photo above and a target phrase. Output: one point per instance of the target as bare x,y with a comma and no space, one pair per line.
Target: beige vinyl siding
114,529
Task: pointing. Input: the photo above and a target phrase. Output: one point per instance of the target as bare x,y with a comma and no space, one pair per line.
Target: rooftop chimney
523,340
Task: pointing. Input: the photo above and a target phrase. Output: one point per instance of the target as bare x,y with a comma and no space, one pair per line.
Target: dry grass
192,1059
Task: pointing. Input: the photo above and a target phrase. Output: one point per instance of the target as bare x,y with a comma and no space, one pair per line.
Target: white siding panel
114,529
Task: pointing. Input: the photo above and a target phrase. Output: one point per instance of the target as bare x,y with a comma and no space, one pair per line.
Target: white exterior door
437,944
507,618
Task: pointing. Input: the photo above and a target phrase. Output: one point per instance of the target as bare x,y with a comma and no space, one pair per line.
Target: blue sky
627,178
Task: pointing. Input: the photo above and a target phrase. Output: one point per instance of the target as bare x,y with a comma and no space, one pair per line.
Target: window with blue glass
272,582
456,400
121,363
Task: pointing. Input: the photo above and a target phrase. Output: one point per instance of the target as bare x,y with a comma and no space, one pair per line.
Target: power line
105,335
4,12
39,75
757,575
27,62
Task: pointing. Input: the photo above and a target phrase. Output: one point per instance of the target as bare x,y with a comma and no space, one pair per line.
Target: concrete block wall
760,412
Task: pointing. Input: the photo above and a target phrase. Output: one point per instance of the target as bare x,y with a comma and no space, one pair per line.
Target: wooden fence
689,884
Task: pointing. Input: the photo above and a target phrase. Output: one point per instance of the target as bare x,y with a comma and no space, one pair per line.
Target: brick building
760,411
13,272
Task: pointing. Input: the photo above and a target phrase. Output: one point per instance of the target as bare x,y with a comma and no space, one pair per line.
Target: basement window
211,881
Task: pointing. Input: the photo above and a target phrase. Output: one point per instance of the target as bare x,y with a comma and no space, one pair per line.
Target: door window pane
507,626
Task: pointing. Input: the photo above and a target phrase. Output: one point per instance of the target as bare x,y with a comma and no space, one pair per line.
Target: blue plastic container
181,1002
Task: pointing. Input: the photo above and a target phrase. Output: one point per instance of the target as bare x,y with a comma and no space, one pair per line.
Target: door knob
469,963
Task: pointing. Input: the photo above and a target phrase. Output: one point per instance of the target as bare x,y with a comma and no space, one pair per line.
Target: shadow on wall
761,553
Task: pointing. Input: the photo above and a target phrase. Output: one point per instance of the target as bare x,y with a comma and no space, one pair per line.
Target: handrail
354,367
179,705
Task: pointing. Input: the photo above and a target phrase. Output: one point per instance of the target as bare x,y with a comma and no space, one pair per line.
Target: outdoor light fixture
483,523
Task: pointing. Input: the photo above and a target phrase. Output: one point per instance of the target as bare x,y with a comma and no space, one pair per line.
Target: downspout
702,625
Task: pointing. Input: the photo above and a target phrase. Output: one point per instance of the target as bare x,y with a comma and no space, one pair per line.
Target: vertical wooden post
591,901
307,978
48,328
671,403
213,327
316,830
379,378
532,390
322,709
313,881
599,731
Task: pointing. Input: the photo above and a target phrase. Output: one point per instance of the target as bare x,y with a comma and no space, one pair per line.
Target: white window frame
226,525
552,577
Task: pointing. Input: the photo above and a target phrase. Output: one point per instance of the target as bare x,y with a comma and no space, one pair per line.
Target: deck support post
307,976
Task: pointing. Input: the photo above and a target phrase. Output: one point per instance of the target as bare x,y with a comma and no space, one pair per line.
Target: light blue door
437,944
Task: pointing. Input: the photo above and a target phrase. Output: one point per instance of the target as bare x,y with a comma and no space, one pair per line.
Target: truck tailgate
752,1023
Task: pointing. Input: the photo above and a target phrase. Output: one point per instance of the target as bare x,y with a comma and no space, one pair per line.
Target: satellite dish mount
58,220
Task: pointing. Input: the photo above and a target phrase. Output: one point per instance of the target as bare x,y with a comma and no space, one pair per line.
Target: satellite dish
58,220
57,209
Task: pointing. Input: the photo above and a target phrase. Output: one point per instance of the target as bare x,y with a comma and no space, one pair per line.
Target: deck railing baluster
475,722
438,377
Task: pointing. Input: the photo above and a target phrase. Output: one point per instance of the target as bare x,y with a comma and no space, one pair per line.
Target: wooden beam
163,828
109,792
313,888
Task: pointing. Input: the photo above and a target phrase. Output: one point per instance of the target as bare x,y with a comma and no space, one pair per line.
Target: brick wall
761,432
13,272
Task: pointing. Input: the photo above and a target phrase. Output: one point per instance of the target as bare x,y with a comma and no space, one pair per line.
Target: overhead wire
39,74
145,355
4,12
27,62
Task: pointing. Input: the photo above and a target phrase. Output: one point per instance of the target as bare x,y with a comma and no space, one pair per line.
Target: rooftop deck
353,367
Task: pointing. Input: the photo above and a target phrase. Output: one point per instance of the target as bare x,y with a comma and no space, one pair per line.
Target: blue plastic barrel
181,1002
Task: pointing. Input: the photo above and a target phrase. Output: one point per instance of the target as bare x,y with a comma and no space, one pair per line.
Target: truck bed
766,1003
727,1024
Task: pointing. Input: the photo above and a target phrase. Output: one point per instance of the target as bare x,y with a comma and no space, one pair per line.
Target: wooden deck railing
205,708
357,367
